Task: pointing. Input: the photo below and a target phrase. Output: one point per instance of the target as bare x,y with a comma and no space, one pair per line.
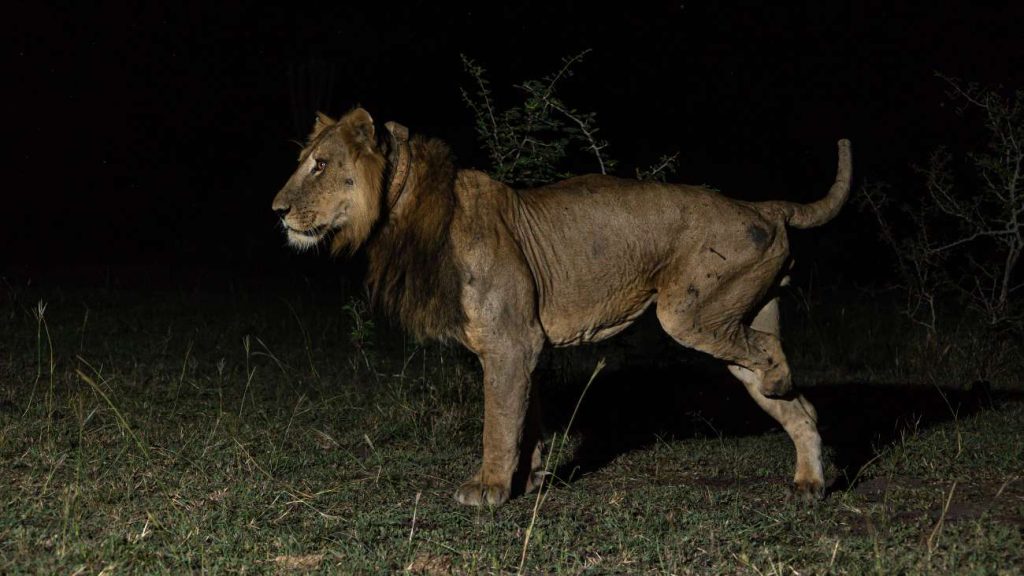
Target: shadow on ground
636,400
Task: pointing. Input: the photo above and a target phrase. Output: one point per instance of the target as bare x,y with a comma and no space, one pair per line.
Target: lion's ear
398,132
322,121
362,126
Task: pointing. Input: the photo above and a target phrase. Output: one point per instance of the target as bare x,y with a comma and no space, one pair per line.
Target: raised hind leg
796,415
710,319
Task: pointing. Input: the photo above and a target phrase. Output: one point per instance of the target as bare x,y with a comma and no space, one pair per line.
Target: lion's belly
570,321
593,281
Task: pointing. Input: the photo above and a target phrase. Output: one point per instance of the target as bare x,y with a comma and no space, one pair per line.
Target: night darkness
182,392
155,138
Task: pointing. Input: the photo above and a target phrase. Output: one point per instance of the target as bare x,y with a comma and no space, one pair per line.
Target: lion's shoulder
476,191
472,180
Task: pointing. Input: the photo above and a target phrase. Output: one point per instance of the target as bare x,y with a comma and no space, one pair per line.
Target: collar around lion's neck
401,163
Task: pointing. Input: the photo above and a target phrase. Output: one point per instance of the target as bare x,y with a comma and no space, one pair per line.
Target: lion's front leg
506,398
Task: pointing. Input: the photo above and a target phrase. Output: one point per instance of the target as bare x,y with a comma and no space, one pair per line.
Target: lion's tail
821,211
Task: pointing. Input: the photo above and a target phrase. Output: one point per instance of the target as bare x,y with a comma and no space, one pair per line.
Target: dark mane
411,272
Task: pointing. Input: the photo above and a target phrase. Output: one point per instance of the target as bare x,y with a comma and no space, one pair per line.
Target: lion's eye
349,181
320,165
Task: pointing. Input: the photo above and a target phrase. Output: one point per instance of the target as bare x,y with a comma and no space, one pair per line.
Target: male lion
456,255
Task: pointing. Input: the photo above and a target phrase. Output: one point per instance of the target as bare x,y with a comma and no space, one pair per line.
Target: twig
415,508
942,518
540,489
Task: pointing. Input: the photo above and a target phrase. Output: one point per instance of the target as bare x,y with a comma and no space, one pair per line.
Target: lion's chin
305,240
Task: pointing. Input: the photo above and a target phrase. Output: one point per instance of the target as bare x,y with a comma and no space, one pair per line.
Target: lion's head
337,189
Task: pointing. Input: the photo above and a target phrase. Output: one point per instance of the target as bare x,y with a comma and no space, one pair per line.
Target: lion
457,256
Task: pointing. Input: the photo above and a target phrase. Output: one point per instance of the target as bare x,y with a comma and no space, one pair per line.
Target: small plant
250,371
362,333
920,269
42,328
122,422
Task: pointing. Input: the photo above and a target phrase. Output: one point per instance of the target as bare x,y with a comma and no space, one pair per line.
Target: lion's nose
281,209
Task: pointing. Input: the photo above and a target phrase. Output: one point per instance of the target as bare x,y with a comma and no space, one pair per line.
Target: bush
961,241
530,144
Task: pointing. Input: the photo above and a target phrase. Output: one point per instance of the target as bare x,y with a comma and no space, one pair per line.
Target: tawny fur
456,255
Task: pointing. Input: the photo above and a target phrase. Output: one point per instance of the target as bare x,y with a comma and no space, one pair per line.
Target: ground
234,430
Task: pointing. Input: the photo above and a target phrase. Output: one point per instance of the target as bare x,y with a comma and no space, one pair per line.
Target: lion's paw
476,493
534,480
807,491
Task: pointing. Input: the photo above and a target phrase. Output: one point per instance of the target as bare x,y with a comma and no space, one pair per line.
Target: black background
155,137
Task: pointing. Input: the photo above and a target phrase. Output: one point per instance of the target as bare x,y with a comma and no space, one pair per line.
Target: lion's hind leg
710,319
795,413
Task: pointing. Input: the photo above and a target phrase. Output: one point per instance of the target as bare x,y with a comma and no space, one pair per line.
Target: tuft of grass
122,422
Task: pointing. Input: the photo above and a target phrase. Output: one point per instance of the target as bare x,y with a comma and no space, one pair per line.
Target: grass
170,432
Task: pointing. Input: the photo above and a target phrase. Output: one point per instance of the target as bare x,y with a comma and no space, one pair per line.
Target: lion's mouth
304,239
314,232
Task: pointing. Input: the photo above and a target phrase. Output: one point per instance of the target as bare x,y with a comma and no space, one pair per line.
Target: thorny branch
966,235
